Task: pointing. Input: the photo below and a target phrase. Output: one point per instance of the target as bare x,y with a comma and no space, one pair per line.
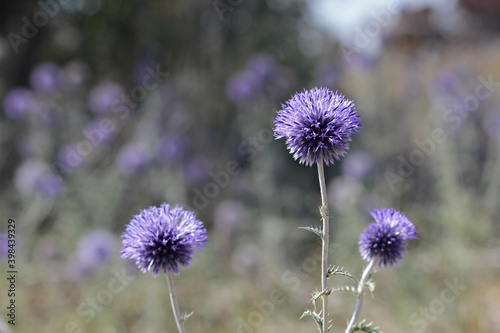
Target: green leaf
364,327
318,294
337,270
316,316
185,316
346,289
323,210
370,285
316,230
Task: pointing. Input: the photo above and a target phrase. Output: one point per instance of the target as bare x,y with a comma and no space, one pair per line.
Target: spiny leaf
364,327
337,270
346,289
318,294
370,285
317,317
185,316
323,210
316,230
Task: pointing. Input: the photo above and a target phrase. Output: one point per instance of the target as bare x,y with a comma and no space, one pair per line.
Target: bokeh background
109,107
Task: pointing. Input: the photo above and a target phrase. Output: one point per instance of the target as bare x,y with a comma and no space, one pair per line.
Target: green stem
359,301
325,241
173,300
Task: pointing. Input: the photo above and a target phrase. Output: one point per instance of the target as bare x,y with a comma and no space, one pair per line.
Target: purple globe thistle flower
385,238
317,124
161,238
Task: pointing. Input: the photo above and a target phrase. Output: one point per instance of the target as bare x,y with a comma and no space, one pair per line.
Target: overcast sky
342,17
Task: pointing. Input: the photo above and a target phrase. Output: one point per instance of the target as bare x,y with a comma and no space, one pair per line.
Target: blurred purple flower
172,149
99,134
449,82
358,165
94,249
262,65
261,76
132,158
46,77
385,238
103,96
317,125
161,238
35,177
242,86
229,215
18,103
50,185
196,170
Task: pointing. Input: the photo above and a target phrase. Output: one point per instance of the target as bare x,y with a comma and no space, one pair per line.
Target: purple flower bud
385,238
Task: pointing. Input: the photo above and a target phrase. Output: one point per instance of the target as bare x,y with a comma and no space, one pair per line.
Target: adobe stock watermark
47,9
249,149
224,8
91,306
120,108
420,320
372,28
291,281
455,118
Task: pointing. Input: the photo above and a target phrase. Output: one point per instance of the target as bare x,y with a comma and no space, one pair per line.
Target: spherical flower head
385,238
317,125
161,238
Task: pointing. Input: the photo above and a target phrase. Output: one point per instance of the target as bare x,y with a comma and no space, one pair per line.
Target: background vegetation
430,147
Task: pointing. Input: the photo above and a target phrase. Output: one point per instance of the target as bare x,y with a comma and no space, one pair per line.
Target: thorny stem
325,241
173,300
359,301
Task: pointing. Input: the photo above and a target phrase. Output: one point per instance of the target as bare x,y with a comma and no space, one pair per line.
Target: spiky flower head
161,238
386,236
317,124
